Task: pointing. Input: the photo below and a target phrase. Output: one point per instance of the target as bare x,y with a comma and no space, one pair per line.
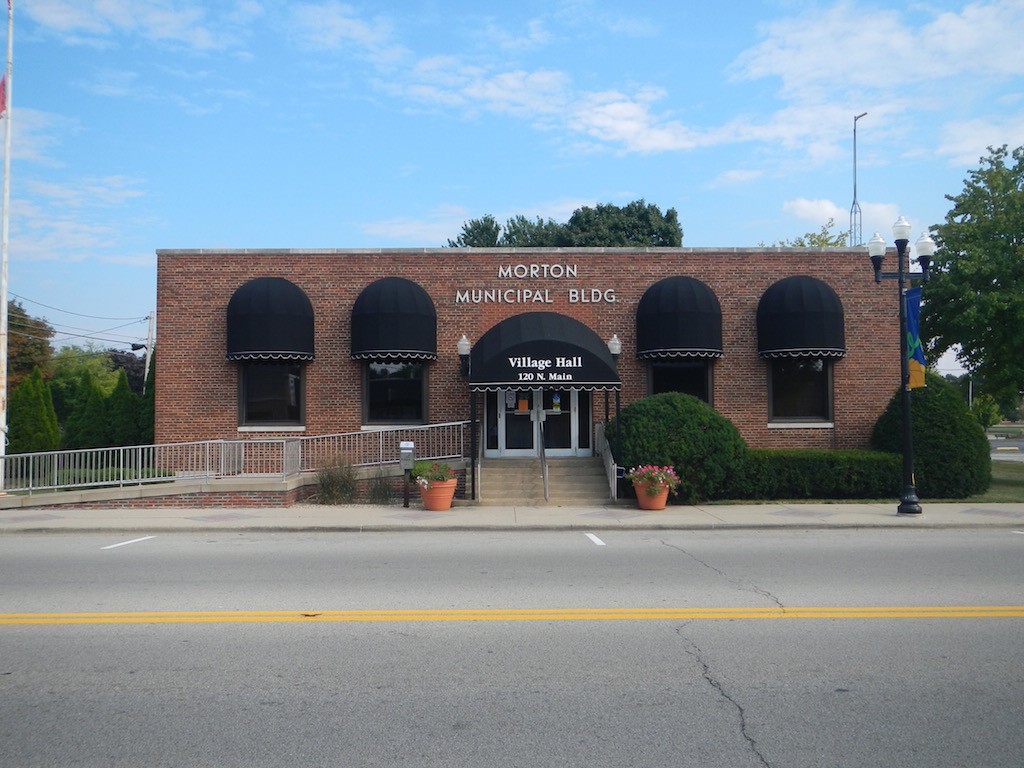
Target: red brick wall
196,387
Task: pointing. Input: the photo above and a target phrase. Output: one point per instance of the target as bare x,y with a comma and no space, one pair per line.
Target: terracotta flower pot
438,497
647,500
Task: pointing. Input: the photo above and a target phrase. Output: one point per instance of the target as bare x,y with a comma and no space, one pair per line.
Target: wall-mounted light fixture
464,346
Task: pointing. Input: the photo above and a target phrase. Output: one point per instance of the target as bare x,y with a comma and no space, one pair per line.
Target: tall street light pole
909,504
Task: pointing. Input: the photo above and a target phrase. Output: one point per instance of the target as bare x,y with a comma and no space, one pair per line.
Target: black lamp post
910,504
464,347
615,349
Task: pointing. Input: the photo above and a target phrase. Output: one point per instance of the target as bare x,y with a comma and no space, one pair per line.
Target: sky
140,125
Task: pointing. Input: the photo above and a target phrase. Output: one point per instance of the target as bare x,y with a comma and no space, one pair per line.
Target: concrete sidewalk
469,517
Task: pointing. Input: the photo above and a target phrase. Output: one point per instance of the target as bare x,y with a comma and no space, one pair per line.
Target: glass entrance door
517,420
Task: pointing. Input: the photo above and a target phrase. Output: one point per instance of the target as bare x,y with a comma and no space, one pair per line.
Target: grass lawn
1007,483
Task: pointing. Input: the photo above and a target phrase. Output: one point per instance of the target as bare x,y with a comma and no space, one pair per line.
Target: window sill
801,425
273,428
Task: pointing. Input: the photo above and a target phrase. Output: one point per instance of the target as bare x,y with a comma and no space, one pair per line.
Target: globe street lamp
910,504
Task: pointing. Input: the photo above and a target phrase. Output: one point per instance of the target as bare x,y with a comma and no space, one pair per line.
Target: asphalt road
732,649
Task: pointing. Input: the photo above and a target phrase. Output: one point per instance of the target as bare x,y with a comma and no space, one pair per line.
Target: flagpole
4,232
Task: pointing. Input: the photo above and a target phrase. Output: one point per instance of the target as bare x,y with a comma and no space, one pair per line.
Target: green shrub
952,458
806,473
336,483
673,429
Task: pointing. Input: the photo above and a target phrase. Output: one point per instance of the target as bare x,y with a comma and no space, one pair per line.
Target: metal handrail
611,469
276,458
544,462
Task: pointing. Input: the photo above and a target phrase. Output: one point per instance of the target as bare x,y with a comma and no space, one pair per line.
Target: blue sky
146,124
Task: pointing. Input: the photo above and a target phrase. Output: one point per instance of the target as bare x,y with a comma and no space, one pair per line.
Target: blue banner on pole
915,350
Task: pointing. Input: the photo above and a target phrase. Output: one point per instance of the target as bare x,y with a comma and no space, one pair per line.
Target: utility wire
79,314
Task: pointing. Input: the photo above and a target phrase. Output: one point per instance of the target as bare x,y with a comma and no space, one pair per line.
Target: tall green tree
28,344
86,424
76,370
31,421
975,298
637,224
122,407
478,233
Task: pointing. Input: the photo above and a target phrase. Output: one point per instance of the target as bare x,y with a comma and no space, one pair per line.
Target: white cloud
90,192
817,212
535,36
736,177
965,142
436,228
334,26
162,20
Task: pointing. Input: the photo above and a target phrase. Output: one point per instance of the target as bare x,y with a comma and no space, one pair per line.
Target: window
272,393
800,389
691,377
394,393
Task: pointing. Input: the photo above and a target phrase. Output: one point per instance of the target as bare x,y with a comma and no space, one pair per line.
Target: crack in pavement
697,655
738,583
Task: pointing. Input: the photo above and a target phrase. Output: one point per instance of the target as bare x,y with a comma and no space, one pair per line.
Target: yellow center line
521,614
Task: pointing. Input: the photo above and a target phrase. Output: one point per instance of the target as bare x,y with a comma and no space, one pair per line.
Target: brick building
797,347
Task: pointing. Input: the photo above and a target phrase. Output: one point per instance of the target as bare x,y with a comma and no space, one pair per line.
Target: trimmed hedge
952,457
777,473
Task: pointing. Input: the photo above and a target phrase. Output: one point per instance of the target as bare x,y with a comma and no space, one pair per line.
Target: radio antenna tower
856,225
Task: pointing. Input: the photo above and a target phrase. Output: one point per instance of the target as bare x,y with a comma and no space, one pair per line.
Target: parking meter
406,458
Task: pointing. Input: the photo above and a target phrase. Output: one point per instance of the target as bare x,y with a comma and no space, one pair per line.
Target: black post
910,504
618,426
472,444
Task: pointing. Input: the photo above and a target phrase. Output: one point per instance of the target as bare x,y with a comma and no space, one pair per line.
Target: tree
637,224
521,232
975,298
986,410
122,407
32,423
28,344
821,239
133,365
478,233
86,422
76,370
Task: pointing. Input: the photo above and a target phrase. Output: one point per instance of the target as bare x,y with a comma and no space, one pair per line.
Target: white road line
594,539
125,543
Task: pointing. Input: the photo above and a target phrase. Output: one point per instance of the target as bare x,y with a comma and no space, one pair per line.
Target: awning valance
541,349
678,317
800,316
270,318
394,318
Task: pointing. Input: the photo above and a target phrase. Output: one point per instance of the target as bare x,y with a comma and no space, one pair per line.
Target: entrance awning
678,317
270,318
541,350
394,318
800,316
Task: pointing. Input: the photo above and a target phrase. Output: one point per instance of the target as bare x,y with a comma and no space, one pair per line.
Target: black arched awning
678,317
394,318
800,316
270,318
541,349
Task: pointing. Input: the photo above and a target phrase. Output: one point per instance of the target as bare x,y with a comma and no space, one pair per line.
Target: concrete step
510,482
